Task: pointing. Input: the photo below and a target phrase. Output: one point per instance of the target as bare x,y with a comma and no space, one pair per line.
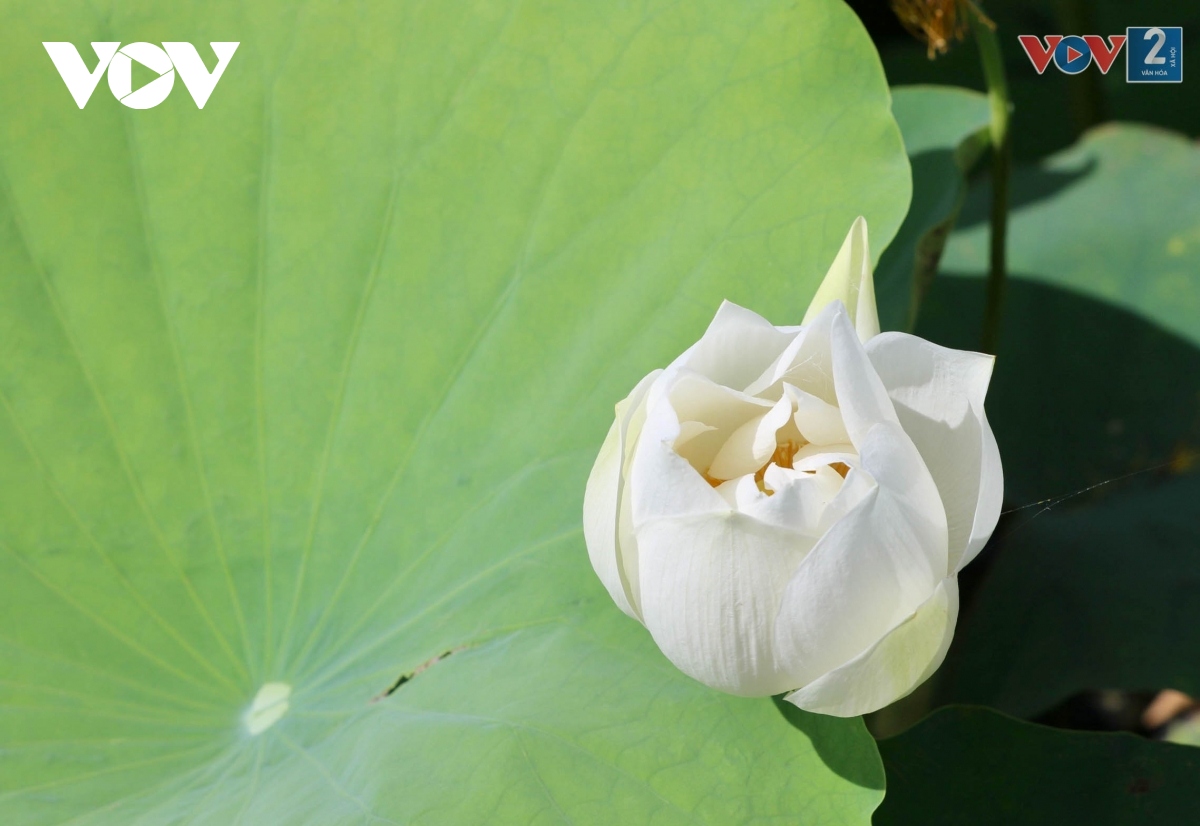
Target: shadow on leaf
840,754
1083,391
1030,184
973,766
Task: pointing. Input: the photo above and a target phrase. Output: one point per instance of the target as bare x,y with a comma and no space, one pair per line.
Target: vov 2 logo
118,60
1154,54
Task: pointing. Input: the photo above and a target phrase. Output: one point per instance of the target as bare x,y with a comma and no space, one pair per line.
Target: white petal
891,668
689,431
779,368
602,501
806,363
711,587
854,489
627,549
872,568
661,482
861,394
811,457
991,497
740,491
849,281
777,478
798,502
695,398
600,509
818,421
751,445
735,349
698,398
938,395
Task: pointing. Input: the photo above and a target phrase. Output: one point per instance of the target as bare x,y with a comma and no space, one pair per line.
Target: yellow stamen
783,456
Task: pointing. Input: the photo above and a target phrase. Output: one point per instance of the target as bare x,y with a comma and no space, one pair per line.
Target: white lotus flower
786,508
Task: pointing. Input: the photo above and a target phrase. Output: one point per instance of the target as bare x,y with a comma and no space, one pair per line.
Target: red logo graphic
1072,54
1102,54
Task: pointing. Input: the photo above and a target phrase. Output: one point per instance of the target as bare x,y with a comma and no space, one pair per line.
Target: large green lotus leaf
1098,597
945,131
303,387
972,765
1096,375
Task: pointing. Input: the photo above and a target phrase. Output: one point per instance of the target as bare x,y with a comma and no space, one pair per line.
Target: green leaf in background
1096,597
1098,372
303,387
945,131
1098,377
974,766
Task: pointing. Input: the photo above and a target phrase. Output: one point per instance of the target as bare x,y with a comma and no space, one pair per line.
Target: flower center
783,456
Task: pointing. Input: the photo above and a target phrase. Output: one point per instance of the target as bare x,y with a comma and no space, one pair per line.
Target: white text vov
118,60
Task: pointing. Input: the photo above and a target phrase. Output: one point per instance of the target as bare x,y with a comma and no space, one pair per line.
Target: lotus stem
997,87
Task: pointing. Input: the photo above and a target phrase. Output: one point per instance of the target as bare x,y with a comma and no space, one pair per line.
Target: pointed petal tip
849,279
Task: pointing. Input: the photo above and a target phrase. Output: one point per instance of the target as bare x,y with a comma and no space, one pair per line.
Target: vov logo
118,60
1072,54
1153,54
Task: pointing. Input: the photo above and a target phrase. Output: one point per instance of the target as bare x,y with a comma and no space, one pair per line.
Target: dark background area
1050,111
1077,626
